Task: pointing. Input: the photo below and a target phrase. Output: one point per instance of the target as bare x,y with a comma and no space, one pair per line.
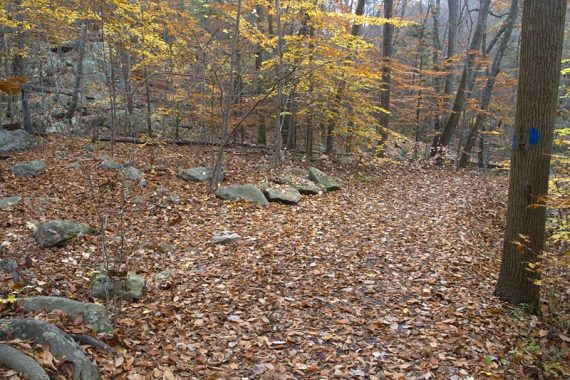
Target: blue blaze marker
514,141
533,136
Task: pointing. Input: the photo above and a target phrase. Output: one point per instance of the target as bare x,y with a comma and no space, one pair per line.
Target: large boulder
58,232
28,169
248,193
92,314
197,174
12,141
289,195
8,202
128,289
324,180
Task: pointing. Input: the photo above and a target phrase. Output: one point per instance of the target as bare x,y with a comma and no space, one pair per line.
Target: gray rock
225,237
110,165
58,232
248,193
143,183
289,195
138,199
132,173
324,180
60,344
128,289
164,275
74,165
166,247
308,188
93,314
28,169
197,174
8,202
88,148
299,172
18,140
174,199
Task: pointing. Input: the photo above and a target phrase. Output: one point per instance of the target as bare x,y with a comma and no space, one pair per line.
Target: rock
248,193
289,195
92,314
74,165
18,140
225,237
164,275
59,344
88,148
58,232
343,160
308,188
138,199
128,289
166,247
298,172
110,165
174,199
324,180
142,183
132,173
28,169
197,174
8,202
319,148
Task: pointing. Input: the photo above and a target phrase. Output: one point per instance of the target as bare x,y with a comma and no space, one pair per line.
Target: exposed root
18,361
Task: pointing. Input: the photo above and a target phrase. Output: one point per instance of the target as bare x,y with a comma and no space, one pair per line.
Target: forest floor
391,277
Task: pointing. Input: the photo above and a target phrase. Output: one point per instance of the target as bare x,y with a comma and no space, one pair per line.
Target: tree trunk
488,90
461,95
387,36
539,77
219,165
261,131
279,98
452,43
78,74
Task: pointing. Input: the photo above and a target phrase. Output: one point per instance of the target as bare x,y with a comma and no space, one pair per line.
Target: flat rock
308,188
197,174
323,179
18,140
92,314
28,169
248,193
8,202
225,237
289,195
132,173
58,232
110,165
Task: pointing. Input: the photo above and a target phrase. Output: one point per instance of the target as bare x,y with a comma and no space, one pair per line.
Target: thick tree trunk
539,77
488,90
78,74
461,95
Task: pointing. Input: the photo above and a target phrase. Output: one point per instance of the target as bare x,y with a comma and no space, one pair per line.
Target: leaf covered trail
391,277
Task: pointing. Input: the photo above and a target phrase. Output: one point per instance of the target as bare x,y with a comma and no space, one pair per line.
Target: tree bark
78,74
442,141
388,33
539,78
452,43
488,90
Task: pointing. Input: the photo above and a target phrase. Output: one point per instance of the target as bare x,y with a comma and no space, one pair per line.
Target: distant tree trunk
452,43
148,103
387,36
19,69
230,99
461,95
279,97
78,74
488,90
261,130
537,100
